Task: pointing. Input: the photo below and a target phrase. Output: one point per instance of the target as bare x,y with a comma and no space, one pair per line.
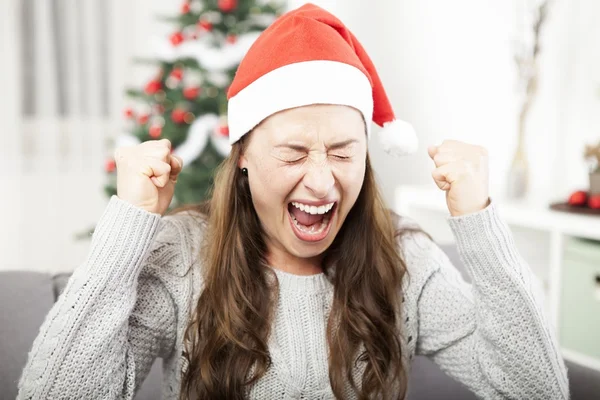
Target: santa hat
308,56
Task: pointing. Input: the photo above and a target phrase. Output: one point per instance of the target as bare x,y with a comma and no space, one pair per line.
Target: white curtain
62,72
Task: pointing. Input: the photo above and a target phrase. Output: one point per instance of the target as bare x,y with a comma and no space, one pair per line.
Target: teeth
313,209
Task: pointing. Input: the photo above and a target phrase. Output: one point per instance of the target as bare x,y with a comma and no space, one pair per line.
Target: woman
295,281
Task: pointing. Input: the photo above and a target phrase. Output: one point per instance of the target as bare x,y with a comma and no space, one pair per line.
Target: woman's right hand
146,175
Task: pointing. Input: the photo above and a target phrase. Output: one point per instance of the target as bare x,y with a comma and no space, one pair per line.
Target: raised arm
113,318
493,335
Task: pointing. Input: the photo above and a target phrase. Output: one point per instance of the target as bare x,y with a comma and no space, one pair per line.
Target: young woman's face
306,167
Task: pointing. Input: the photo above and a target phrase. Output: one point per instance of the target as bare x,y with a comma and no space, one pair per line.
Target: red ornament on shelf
578,198
191,93
110,165
178,115
152,87
185,8
594,202
176,38
205,25
155,131
231,38
143,119
128,113
227,5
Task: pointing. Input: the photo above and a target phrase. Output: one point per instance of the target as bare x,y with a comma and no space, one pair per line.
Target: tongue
305,218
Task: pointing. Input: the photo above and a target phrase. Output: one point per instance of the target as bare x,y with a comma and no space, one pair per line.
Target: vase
594,183
518,176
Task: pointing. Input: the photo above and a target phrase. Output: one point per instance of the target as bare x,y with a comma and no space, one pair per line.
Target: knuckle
163,152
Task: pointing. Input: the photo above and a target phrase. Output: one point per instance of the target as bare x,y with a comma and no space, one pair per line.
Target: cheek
351,179
270,187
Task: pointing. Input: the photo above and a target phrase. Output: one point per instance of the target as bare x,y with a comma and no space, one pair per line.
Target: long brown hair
226,341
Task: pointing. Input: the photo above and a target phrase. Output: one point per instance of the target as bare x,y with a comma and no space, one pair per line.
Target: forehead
315,122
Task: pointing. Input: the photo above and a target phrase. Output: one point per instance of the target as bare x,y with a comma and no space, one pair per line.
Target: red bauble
110,165
227,5
155,131
176,38
178,115
578,198
205,25
224,130
143,119
231,38
594,202
191,93
152,87
128,112
177,73
185,8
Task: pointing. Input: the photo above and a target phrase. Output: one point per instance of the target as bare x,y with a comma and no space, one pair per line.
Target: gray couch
26,297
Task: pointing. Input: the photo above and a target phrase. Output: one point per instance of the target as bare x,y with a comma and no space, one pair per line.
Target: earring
245,171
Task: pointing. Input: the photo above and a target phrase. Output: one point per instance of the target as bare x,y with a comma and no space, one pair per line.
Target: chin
302,250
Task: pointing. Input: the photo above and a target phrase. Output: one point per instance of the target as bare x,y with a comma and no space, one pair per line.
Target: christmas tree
186,101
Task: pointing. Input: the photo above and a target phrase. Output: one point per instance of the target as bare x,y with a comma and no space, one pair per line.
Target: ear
242,161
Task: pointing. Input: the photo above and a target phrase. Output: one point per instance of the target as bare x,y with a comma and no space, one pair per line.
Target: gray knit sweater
130,302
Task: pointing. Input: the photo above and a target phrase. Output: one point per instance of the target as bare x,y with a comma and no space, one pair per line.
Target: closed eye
294,161
339,157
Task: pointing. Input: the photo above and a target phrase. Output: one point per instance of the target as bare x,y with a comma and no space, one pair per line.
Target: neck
284,261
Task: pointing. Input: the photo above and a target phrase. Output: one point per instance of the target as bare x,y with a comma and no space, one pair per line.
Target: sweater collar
302,284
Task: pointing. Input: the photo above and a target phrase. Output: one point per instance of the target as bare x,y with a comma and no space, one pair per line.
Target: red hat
308,56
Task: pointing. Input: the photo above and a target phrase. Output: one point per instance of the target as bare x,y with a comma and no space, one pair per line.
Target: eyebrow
334,146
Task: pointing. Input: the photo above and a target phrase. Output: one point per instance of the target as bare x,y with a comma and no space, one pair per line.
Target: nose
319,179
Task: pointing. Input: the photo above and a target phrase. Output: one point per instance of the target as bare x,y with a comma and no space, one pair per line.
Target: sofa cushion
427,381
25,299
584,383
60,282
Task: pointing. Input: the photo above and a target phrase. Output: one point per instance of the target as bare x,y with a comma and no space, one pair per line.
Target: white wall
447,68
580,92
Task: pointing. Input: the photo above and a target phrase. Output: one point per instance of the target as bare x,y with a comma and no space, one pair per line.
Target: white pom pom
398,138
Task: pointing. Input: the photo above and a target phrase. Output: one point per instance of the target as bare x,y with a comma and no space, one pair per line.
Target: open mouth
311,223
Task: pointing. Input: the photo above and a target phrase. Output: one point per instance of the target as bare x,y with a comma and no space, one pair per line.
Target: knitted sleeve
113,318
493,335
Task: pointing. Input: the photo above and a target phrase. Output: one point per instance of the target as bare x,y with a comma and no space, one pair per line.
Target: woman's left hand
462,172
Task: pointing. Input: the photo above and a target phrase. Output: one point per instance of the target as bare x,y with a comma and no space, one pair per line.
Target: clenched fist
146,175
462,172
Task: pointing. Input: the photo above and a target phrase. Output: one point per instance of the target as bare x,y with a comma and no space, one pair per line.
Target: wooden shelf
526,214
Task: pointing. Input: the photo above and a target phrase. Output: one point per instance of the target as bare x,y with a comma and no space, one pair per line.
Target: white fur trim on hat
295,85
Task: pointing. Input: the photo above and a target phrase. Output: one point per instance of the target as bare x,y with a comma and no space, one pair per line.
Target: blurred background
520,77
